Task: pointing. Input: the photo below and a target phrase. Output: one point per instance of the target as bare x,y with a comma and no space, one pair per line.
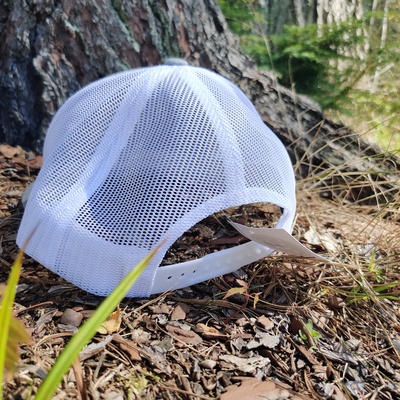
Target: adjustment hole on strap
194,271
182,274
169,277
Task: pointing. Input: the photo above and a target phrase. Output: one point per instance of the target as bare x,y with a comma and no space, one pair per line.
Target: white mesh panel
141,156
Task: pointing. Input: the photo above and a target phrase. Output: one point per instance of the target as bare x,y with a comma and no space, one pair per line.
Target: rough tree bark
51,48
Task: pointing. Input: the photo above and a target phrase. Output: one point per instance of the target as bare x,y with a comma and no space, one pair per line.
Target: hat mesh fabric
141,156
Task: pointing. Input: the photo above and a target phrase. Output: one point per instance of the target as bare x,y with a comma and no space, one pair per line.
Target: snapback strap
171,277
264,241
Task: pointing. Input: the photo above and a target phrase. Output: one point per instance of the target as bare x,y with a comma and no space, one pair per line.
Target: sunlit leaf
111,324
256,299
235,290
309,326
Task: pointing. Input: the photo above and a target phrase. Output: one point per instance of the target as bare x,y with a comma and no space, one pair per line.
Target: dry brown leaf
264,339
253,389
180,312
183,335
265,322
160,308
128,346
111,324
210,332
140,336
247,364
158,359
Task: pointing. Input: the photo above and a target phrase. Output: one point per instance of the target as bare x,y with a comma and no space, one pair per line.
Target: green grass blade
383,288
88,330
6,313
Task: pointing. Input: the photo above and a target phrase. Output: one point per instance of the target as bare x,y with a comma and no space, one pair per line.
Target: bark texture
51,48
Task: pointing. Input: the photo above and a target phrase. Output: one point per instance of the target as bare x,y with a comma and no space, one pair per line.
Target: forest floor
295,329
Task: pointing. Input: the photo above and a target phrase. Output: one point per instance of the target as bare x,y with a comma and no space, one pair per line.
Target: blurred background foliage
344,54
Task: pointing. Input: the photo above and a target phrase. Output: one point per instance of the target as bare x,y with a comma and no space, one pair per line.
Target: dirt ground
293,328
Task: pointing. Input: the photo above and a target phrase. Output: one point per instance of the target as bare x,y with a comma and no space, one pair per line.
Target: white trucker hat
140,157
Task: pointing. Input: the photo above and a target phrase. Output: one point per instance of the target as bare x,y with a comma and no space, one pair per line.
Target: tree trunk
51,48
382,44
298,6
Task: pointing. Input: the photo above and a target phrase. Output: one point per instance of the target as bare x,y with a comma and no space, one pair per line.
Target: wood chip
44,319
71,317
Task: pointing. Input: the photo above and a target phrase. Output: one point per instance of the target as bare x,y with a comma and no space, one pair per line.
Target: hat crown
143,155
